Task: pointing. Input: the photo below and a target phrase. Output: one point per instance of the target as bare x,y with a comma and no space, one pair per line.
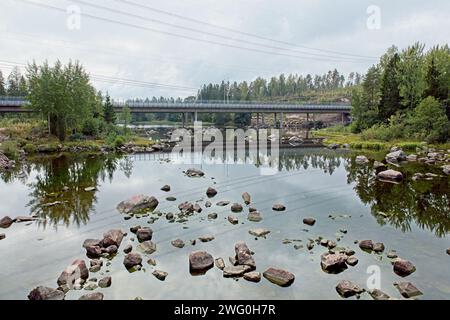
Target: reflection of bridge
17,104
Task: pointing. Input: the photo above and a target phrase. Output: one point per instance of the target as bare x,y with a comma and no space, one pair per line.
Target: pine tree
14,82
2,85
390,93
108,110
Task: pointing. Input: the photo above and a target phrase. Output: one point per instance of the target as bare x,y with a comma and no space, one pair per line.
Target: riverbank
337,137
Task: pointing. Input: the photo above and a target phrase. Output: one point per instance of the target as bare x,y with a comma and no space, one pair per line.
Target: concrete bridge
19,104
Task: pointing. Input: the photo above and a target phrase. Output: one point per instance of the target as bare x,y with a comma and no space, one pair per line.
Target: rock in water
361,160
352,261
378,247
278,207
194,173
244,255
212,216
309,221
146,247
90,189
128,249
448,251
333,262
197,208
96,296
112,238
396,156
208,204
366,245
259,232
390,176
211,192
144,234
407,289
178,243
254,216
160,275
235,271
92,243
206,238
186,207
280,277
348,289
2,236
233,220
166,188
105,282
252,276
220,263
247,198
378,295
131,260
222,203
6,222
403,268
46,293
236,207
75,272
137,204
200,262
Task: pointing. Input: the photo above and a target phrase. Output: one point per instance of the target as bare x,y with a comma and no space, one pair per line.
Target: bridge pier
281,120
275,122
257,120
195,116
263,122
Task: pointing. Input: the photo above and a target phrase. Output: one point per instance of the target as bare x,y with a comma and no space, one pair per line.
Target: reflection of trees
63,179
325,160
425,203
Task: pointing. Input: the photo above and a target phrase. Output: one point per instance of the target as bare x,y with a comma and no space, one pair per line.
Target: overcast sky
156,47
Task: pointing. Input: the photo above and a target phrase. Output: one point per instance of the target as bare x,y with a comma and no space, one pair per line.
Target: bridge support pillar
263,122
314,120
257,120
275,122
195,116
183,119
281,120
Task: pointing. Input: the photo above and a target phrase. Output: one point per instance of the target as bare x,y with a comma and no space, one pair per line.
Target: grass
342,135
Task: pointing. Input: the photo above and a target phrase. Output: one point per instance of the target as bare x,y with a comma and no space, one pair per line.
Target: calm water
316,183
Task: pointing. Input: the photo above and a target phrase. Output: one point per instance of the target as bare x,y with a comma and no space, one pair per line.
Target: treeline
405,95
282,87
14,85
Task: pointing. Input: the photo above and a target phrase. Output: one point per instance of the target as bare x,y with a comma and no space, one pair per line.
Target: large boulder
132,260
137,204
396,156
77,271
235,271
194,173
390,176
46,293
280,277
244,255
379,295
6,222
254,216
186,207
361,160
403,268
200,262
236,207
96,296
407,289
309,221
348,289
112,238
146,247
333,262
144,234
366,245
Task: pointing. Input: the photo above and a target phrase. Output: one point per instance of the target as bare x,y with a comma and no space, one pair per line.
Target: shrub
9,149
30,148
119,141
91,127
77,137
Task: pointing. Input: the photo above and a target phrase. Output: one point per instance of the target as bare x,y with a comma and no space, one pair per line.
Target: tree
411,76
62,94
429,121
14,82
2,85
108,111
390,93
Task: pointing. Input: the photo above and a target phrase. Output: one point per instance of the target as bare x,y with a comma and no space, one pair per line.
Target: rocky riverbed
303,233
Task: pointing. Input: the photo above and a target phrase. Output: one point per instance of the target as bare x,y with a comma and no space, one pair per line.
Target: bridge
19,104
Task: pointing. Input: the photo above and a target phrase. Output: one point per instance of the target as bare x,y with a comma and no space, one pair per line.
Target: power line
116,80
178,35
132,3
85,46
202,31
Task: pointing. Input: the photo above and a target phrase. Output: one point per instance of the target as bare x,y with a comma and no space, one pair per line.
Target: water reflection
63,180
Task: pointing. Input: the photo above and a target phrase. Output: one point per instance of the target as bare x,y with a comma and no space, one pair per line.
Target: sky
170,48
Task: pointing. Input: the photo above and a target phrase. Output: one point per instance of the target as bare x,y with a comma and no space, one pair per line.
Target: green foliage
242,119
119,141
30,148
429,121
92,127
77,137
10,149
2,85
125,118
62,94
108,111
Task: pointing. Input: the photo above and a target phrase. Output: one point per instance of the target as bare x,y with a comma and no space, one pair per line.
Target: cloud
31,32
